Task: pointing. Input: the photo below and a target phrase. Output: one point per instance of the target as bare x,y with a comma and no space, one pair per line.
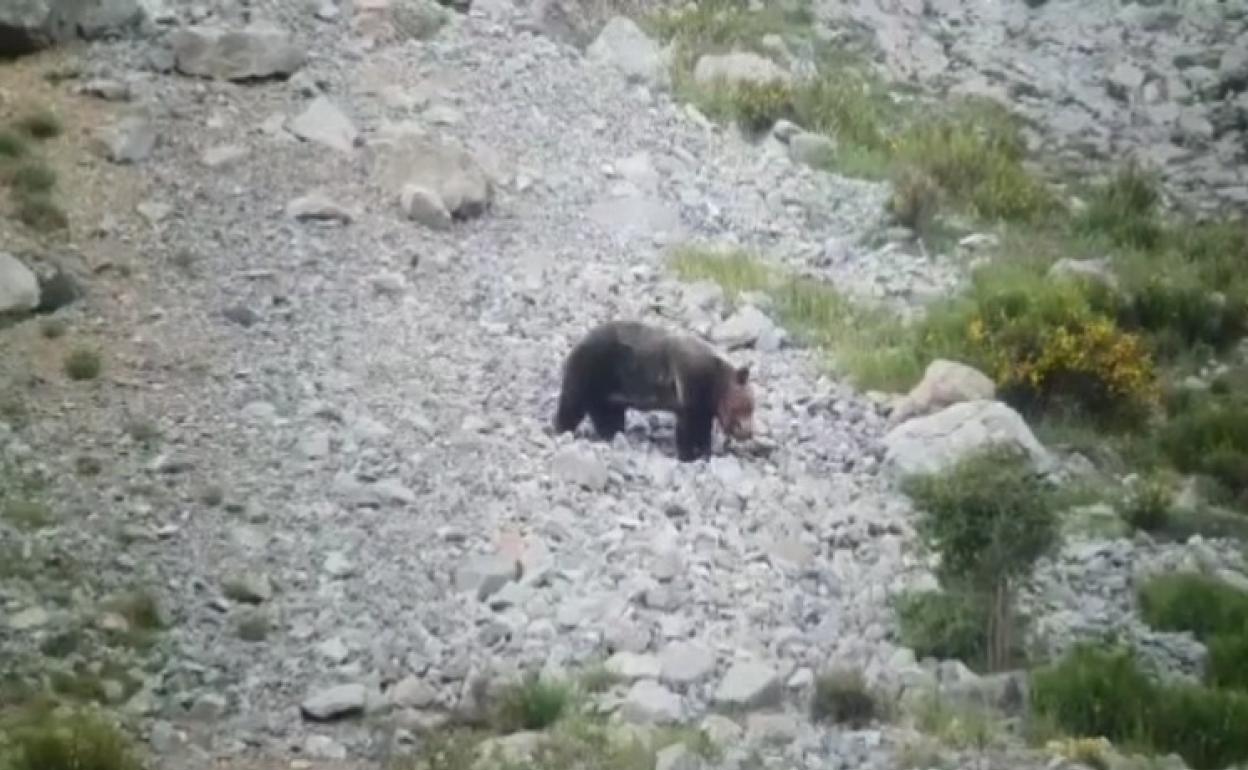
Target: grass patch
12,145
1147,505
32,178
1102,692
40,124
946,625
1214,612
83,364
53,328
587,743
140,608
40,213
842,697
80,740
532,704
956,725
28,514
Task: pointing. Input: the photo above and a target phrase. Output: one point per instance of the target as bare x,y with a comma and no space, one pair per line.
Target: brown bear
621,365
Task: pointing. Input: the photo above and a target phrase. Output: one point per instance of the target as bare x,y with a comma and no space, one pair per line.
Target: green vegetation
40,124
946,625
79,740
538,723
1147,505
989,518
533,704
1103,692
27,514
31,182
842,697
83,364
1215,612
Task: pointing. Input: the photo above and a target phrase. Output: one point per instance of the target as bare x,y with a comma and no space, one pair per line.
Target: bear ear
743,374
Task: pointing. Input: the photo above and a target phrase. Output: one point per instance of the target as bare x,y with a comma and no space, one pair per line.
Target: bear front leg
608,420
571,410
693,434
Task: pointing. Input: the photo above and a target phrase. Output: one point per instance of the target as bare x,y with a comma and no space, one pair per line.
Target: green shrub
11,145
754,106
40,213
1204,726
977,158
80,741
914,201
83,364
1147,505
1188,601
1124,209
1095,692
1227,665
1050,346
842,697
52,328
532,704
1211,438
989,518
41,124
32,178
946,625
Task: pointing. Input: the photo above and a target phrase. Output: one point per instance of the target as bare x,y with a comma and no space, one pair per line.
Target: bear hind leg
608,419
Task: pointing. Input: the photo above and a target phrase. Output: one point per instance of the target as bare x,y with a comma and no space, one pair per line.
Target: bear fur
621,365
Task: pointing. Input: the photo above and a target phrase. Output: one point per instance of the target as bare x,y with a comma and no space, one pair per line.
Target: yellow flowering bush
1047,347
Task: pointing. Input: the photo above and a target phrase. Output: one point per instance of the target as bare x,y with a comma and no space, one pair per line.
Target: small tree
990,517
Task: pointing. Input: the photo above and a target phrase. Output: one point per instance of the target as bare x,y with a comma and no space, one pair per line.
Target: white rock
335,702
683,663
738,67
422,205
649,702
944,383
324,123
579,467
936,442
630,666
622,44
748,685
19,288
412,692
317,206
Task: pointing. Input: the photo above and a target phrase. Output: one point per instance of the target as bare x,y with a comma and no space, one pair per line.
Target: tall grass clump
532,704
1214,611
40,124
989,517
81,740
1096,691
1209,436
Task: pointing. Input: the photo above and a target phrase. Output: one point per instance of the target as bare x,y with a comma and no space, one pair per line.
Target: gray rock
1095,270
738,67
323,747
649,702
129,140
944,383
678,756
29,25
721,730
334,650
621,44
630,666
1124,81
314,445
324,123
209,707
223,155
771,729
412,692
684,663
579,467
745,328
19,287
335,702
337,565
446,171
251,587
257,51
317,206
106,89
934,443
748,685
810,149
485,575
424,206
389,284
32,617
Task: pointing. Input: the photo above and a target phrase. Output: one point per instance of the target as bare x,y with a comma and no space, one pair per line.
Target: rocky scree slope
351,390
368,398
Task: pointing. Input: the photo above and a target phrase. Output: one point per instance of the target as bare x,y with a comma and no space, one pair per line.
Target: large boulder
944,383
257,51
936,442
29,25
19,287
437,169
738,67
623,46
